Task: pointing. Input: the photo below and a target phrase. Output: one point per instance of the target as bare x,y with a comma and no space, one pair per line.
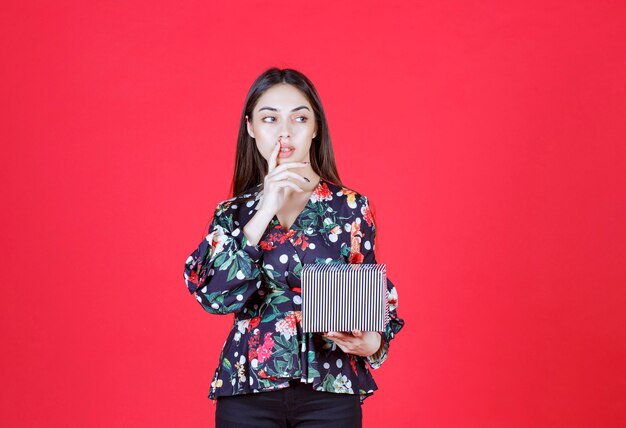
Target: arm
224,271
395,324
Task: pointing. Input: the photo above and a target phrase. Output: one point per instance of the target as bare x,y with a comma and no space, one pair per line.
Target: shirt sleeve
224,270
395,324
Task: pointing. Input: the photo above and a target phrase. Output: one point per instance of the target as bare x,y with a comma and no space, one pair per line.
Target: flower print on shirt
260,285
287,326
265,350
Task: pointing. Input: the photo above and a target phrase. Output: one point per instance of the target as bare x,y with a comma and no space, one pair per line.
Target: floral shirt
260,285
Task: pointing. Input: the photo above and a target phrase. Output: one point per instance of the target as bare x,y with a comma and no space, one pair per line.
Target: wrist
264,214
256,227
380,345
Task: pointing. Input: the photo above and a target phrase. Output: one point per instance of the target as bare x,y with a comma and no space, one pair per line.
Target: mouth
285,151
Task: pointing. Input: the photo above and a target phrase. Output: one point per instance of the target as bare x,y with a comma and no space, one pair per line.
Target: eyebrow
275,109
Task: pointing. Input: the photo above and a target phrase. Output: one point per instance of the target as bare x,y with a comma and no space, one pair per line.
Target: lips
285,154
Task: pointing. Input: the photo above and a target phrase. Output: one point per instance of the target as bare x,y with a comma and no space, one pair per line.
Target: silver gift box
343,297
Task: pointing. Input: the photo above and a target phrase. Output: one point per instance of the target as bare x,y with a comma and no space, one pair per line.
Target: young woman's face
283,114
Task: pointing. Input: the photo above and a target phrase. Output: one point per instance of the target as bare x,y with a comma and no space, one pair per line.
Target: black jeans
297,406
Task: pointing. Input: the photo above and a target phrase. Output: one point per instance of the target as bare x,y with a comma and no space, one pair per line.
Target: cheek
265,138
265,132
304,129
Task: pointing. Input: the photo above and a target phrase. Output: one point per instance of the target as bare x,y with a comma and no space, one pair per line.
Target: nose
284,131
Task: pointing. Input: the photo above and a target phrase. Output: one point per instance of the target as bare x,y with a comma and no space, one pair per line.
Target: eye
268,117
302,117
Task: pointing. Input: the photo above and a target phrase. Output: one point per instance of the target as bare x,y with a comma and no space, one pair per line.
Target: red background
488,135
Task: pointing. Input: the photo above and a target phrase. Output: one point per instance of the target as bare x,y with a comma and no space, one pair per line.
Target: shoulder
233,205
360,209
227,212
348,196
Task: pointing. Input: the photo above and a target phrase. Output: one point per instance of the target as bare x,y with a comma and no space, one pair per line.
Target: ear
249,127
315,132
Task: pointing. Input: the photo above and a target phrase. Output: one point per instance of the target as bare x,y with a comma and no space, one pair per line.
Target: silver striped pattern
342,297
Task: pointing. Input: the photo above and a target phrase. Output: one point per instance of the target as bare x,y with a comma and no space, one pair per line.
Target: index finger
271,163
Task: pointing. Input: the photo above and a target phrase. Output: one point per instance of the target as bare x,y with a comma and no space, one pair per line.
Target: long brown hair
250,166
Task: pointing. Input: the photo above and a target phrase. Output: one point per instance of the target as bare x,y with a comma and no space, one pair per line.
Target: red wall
489,137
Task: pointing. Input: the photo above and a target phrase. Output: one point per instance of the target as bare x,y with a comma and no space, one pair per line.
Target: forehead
283,97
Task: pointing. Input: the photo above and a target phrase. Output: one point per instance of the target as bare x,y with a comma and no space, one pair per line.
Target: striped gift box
342,297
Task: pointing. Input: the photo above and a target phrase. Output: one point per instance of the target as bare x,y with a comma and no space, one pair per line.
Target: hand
362,343
276,187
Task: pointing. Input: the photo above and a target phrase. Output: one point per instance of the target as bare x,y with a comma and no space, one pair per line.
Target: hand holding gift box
349,301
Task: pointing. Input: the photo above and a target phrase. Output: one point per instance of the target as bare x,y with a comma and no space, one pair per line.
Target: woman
288,208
